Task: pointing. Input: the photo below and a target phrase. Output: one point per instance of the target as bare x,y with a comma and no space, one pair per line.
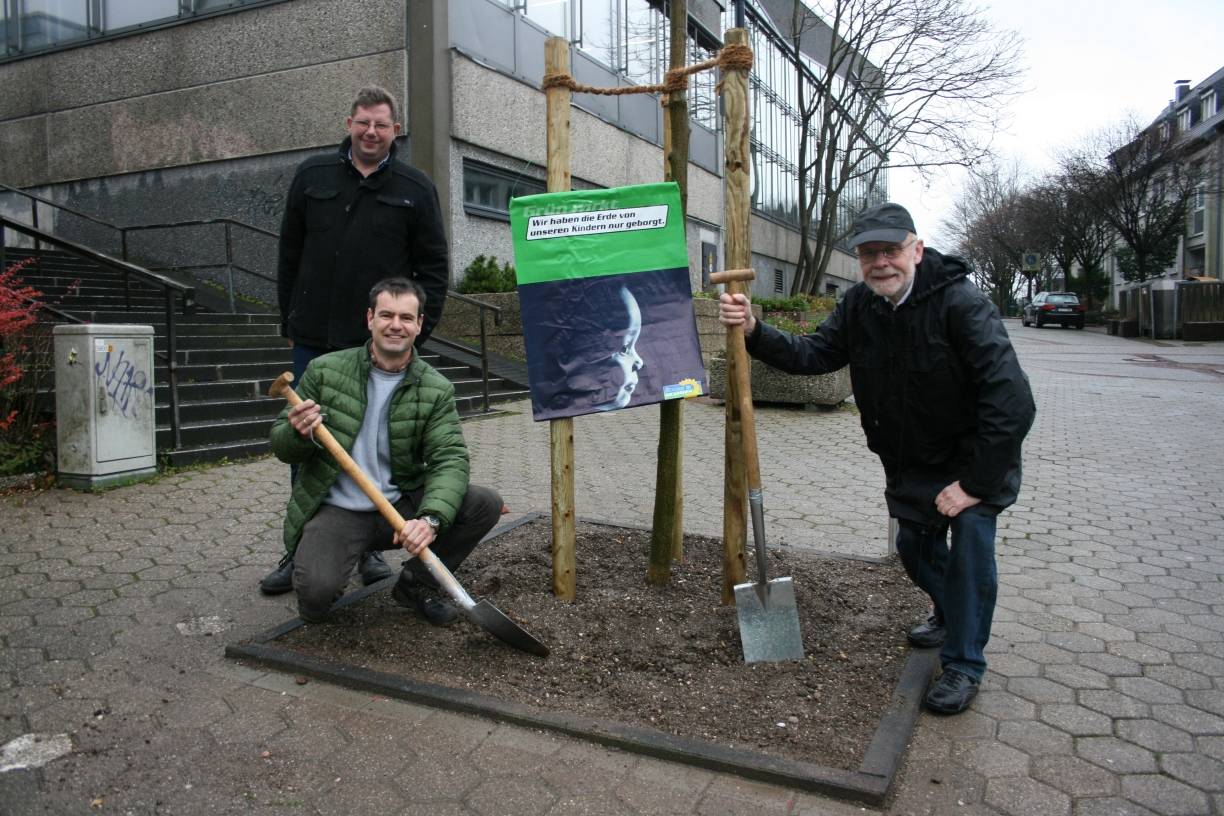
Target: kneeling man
396,416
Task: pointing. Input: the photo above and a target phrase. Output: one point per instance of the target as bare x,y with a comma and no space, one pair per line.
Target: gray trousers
335,538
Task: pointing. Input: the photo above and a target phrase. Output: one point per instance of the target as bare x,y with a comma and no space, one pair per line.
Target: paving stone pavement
1105,693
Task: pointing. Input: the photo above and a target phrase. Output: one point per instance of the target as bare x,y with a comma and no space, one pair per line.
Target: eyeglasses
890,252
366,124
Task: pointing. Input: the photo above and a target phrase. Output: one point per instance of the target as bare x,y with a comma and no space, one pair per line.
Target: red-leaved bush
18,312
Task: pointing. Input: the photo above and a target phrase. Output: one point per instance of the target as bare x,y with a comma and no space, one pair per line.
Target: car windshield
1072,299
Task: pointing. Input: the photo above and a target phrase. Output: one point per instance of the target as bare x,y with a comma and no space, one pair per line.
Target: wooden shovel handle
282,388
734,279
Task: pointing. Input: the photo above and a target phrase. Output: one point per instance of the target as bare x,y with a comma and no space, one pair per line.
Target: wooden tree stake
667,529
739,256
561,431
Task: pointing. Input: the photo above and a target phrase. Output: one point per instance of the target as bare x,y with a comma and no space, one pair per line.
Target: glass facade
36,25
777,127
630,37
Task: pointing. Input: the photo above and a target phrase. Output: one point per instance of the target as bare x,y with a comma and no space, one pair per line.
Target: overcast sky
1088,64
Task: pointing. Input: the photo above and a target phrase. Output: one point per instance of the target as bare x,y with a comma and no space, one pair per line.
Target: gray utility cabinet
104,405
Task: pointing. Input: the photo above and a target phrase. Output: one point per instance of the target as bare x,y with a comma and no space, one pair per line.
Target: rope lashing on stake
731,57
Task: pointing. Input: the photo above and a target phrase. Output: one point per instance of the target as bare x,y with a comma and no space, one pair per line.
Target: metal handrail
171,289
200,222
483,351
57,205
228,223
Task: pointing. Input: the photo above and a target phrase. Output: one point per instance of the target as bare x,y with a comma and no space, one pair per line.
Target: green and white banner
606,301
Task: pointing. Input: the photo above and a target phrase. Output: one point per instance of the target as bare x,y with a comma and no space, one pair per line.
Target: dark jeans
961,579
335,538
302,355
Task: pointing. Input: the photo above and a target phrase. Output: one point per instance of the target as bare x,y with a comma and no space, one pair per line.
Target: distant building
166,111
1192,128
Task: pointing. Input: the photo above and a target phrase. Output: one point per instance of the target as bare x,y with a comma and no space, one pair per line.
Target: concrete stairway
225,361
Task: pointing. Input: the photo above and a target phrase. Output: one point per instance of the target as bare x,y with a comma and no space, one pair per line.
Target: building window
1207,106
779,282
1164,132
1198,210
487,190
1183,120
709,262
36,25
831,290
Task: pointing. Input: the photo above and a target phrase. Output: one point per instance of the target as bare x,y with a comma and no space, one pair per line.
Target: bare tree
1042,211
990,234
886,83
1138,181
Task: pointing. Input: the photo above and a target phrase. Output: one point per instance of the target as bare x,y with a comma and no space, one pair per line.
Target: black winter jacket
343,233
937,384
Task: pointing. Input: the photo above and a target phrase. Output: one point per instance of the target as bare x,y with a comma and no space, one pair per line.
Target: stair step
203,342
225,371
210,432
230,451
221,391
217,410
157,318
279,355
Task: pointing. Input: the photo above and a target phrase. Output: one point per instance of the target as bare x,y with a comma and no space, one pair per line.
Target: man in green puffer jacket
396,417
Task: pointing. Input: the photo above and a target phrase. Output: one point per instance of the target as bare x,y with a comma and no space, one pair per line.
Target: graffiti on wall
127,386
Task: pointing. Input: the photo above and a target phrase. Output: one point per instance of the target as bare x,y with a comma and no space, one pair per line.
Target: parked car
1063,308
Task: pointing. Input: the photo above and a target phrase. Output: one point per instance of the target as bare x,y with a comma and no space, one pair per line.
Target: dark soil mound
668,658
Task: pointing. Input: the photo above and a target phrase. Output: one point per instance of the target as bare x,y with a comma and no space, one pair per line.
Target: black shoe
280,580
952,692
407,592
927,634
373,568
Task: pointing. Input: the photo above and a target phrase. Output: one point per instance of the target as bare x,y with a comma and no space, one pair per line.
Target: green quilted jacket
426,441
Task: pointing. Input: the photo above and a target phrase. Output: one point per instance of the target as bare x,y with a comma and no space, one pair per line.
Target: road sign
1031,262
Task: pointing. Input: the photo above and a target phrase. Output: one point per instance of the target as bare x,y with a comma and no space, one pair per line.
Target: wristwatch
432,521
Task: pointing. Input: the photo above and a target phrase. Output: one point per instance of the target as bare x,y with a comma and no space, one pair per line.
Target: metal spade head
494,621
769,621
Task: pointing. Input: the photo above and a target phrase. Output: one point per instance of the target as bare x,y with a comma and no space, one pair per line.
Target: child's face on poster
625,358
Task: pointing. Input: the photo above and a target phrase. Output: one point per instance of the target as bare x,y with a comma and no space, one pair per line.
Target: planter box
771,385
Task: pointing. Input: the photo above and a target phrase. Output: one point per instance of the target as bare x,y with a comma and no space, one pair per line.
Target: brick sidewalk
1104,696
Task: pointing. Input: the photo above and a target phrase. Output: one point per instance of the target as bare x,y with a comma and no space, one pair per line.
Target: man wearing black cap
945,406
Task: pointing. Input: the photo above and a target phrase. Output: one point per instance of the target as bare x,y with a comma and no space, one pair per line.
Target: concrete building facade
200,110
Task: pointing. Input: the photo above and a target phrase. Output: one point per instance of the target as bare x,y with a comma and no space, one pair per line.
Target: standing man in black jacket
352,218
945,406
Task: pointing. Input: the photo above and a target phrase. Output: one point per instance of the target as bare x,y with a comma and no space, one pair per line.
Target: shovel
483,614
768,616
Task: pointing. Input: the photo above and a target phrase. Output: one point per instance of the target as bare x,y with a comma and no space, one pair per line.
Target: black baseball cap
886,222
